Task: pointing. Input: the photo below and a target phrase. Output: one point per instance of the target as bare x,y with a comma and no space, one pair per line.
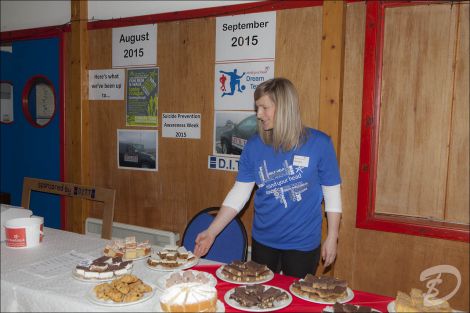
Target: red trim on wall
34,33
244,8
63,209
366,216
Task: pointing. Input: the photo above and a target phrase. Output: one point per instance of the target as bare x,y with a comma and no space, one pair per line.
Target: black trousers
291,262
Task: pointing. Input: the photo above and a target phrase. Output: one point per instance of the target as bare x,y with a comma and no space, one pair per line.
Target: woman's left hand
328,250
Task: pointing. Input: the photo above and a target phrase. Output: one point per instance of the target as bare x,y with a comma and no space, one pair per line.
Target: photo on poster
232,130
235,83
142,97
137,149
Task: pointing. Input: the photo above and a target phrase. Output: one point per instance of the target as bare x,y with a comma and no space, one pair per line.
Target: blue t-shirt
288,200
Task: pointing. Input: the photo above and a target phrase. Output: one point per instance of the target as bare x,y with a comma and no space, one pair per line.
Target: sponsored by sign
106,84
216,162
135,46
181,125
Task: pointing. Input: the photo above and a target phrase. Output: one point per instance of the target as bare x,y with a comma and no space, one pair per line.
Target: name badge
301,161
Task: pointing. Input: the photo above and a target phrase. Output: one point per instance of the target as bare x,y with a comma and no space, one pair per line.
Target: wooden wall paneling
376,261
350,136
415,112
457,200
77,116
298,56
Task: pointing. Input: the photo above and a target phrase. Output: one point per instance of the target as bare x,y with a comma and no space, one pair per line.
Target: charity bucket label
24,232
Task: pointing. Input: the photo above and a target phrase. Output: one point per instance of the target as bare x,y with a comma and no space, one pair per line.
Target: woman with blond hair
295,169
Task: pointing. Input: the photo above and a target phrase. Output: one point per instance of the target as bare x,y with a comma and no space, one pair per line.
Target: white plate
330,309
391,308
96,280
349,297
277,304
161,282
172,269
219,307
222,277
91,296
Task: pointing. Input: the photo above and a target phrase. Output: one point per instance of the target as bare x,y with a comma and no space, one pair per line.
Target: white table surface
23,292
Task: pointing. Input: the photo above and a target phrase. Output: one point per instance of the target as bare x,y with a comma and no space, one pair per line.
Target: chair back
230,245
107,196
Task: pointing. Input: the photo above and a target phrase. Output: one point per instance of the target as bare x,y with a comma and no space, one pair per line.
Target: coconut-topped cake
189,297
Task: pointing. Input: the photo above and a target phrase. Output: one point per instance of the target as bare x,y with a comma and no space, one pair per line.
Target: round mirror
39,101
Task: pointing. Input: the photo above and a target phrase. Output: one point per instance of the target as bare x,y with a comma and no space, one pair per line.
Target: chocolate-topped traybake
321,288
245,271
258,296
347,308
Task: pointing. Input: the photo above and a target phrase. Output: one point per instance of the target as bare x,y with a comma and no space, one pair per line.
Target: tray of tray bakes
257,298
171,258
126,290
101,269
322,289
244,273
350,308
129,249
415,302
188,276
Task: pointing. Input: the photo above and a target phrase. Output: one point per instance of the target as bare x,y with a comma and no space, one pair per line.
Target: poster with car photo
232,130
137,149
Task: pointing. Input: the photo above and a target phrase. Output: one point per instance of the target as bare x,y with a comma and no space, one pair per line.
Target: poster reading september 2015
142,97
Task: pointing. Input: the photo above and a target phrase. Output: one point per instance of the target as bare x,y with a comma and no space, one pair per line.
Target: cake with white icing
189,297
103,268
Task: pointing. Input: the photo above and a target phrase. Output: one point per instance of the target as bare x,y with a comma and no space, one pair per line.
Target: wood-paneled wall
372,261
378,261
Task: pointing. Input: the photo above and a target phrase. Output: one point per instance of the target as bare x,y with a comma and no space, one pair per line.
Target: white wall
20,14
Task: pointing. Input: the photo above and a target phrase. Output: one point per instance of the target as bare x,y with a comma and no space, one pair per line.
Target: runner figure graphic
222,81
234,82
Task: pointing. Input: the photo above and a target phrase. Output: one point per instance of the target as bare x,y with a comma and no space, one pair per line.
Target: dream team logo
234,82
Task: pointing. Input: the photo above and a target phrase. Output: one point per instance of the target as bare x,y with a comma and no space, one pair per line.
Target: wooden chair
107,196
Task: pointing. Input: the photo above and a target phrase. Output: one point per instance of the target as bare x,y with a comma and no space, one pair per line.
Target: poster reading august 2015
142,97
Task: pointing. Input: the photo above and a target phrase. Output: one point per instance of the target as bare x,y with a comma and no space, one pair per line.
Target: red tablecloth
298,305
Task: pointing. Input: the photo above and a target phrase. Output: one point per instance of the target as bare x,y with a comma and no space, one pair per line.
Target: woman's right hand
204,241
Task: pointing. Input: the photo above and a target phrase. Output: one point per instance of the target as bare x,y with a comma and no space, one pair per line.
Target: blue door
30,139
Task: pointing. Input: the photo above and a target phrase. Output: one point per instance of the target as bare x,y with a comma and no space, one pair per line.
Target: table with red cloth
374,301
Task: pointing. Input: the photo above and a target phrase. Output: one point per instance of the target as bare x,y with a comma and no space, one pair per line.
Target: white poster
137,149
181,125
135,46
232,131
6,103
235,84
246,37
106,84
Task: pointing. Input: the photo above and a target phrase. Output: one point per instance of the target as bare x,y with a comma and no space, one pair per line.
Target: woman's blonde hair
288,131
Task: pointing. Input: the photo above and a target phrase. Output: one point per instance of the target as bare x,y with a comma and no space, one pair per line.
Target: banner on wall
235,83
106,84
142,97
135,46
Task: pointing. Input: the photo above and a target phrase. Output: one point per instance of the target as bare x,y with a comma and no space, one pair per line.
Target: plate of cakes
101,269
189,297
244,273
415,302
128,249
171,258
257,298
322,289
188,276
126,290
346,307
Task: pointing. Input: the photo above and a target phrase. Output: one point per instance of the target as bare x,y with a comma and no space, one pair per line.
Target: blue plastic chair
230,245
